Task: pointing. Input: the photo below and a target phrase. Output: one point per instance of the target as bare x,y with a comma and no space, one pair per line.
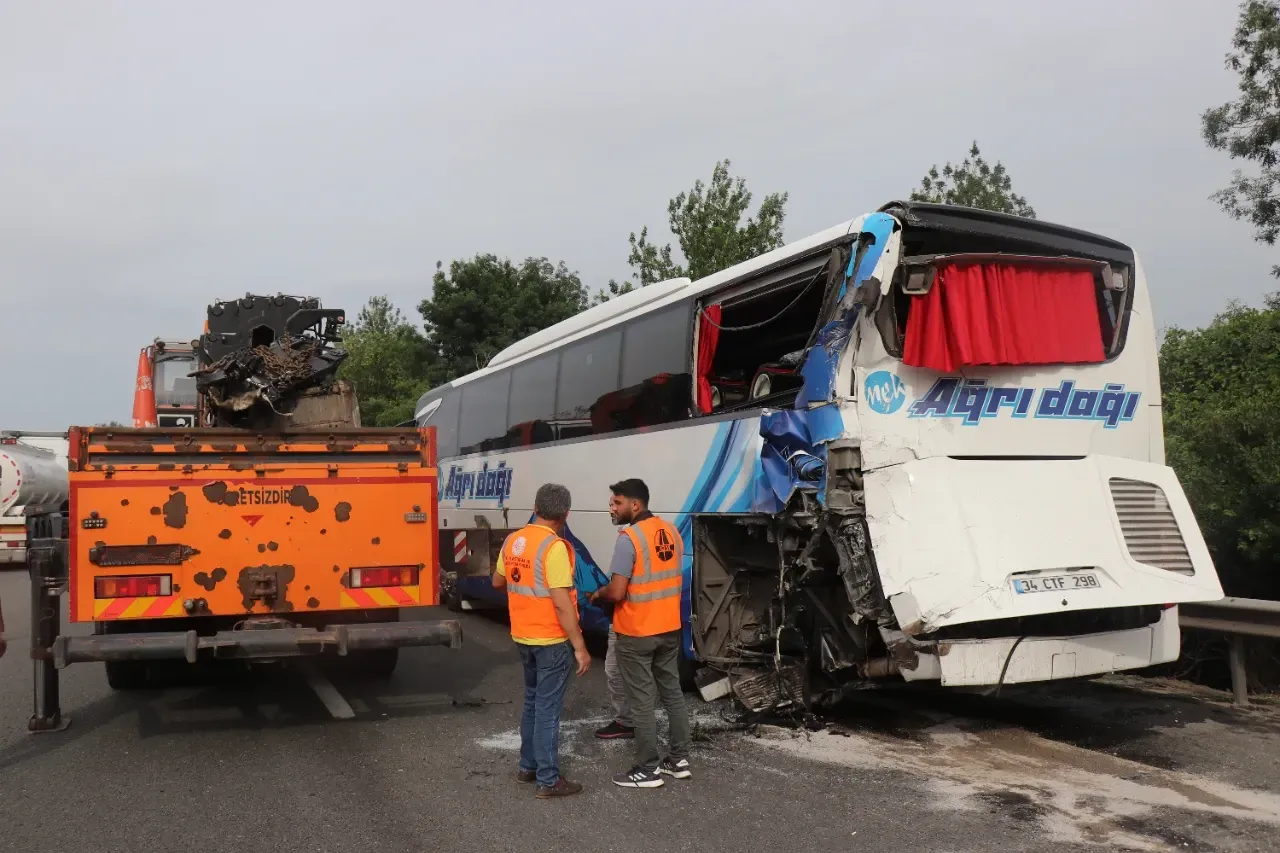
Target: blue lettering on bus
972,401
487,484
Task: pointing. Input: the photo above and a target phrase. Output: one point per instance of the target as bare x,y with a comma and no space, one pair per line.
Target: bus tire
126,674
453,601
687,670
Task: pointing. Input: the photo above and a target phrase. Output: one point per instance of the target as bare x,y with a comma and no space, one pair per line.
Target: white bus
924,444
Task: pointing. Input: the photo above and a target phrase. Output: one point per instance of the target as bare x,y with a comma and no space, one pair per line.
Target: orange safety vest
652,605
524,554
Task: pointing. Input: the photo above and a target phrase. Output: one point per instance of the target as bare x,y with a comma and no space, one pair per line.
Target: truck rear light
132,586
384,576
15,543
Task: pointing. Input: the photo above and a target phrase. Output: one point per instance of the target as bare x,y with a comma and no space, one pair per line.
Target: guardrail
1238,618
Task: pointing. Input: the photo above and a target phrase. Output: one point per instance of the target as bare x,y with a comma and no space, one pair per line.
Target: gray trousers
652,675
617,688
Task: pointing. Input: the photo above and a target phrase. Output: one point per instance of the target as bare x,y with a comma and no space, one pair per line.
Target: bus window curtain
708,338
1002,314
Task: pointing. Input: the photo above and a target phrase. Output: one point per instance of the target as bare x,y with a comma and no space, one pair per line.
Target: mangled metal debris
254,377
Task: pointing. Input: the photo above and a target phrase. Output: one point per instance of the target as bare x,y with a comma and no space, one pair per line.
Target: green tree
1221,391
707,223
974,183
1248,128
388,361
483,304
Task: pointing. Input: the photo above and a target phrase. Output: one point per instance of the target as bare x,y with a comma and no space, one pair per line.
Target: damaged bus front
924,444
971,484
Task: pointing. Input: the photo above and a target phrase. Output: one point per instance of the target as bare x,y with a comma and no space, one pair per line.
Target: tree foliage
1248,128
1221,390
388,362
974,183
707,222
482,305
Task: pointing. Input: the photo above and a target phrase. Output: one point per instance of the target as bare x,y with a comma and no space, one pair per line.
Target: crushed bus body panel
924,444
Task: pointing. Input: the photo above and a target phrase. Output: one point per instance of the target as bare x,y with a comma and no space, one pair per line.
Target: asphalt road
257,764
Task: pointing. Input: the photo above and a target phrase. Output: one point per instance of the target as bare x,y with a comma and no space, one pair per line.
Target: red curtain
1004,314
708,337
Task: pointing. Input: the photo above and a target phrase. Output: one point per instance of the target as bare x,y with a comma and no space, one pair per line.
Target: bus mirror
919,281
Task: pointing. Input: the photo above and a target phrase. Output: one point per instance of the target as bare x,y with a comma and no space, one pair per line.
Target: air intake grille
1150,531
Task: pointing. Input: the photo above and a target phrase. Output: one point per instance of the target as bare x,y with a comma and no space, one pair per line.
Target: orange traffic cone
144,394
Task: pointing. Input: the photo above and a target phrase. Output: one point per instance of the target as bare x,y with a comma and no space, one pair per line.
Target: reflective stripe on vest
652,605
533,614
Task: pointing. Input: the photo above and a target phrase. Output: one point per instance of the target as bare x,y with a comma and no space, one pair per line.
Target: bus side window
483,423
533,401
445,420
588,372
657,384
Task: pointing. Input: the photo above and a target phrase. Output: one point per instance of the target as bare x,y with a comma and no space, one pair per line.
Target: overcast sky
155,156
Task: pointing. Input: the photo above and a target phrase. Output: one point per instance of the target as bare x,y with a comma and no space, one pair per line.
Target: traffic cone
144,394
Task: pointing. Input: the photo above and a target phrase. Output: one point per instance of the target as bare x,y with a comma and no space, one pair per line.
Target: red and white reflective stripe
459,547
18,482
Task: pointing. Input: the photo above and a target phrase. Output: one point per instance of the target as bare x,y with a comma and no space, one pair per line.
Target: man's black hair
632,489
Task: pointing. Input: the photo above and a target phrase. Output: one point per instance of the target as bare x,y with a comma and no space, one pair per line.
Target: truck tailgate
173,523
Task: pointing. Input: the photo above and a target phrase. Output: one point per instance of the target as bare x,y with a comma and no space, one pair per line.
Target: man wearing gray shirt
622,726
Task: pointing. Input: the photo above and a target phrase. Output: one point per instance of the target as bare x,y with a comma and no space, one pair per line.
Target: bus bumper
259,644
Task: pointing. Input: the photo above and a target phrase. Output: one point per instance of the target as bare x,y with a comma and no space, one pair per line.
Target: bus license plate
1056,583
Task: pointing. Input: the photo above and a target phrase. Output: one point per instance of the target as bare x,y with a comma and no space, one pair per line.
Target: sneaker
676,769
616,730
527,776
639,777
563,788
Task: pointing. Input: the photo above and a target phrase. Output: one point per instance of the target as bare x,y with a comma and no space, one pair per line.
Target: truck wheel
126,675
376,663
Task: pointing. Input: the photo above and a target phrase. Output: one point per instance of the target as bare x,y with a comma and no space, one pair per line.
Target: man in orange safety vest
536,569
645,583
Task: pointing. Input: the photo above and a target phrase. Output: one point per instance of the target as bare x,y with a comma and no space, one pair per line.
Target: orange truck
214,543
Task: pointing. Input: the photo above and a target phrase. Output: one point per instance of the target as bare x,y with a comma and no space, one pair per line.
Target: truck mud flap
255,644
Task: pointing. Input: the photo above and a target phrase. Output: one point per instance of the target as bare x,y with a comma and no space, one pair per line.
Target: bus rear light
132,586
384,576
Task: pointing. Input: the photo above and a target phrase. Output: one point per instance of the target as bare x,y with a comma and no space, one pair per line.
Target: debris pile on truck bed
263,354
271,375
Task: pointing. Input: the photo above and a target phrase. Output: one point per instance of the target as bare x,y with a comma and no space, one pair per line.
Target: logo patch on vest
517,547
662,544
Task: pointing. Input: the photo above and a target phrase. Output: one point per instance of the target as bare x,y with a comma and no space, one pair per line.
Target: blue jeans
546,676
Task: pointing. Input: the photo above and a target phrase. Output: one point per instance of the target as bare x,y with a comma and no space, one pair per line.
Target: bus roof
661,294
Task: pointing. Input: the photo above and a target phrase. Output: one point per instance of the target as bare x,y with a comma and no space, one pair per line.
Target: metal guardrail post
1237,618
1239,674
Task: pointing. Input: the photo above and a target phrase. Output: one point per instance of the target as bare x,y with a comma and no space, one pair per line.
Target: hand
583,658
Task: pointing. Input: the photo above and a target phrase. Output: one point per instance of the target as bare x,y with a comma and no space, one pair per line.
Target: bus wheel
126,674
687,670
453,600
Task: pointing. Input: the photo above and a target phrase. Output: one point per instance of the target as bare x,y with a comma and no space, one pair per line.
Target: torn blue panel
789,459
826,423
822,360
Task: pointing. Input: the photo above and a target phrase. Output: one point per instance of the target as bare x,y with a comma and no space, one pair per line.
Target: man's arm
568,616
620,568
499,578
559,577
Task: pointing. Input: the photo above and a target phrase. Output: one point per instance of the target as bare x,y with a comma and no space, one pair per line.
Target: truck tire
375,663
126,674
